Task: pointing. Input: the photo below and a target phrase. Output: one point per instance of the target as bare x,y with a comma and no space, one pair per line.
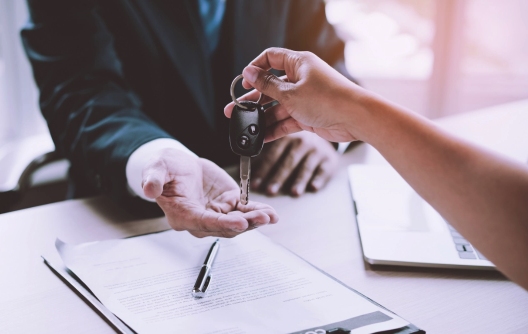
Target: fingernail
144,181
299,190
316,186
228,115
250,74
274,188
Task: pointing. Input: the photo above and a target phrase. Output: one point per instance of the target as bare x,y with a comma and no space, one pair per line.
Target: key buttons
243,141
253,129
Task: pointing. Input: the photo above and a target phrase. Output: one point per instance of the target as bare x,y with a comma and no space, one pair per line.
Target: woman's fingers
254,95
266,82
279,59
276,114
281,129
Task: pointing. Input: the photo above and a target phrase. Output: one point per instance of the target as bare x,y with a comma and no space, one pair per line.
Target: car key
246,137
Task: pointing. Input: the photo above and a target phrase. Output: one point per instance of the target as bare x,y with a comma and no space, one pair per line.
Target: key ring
232,91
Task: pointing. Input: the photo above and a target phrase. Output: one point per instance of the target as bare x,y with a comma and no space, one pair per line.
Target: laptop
397,227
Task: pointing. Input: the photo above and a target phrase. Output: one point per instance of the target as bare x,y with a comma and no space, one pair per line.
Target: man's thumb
153,184
265,82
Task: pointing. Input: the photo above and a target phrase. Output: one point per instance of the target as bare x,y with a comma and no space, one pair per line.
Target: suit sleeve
94,118
309,30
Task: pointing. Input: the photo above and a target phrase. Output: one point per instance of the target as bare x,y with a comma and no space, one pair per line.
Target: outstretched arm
96,120
94,117
302,162
483,195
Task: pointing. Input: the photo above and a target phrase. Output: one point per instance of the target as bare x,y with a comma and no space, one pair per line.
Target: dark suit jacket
115,74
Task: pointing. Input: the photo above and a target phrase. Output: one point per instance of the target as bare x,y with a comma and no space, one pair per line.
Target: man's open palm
200,197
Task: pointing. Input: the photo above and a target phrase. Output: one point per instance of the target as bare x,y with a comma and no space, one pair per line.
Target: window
437,57
494,54
23,131
19,113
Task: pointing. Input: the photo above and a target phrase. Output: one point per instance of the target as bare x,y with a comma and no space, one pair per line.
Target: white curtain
24,135
19,113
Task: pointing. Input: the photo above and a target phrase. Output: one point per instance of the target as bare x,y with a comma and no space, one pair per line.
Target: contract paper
257,286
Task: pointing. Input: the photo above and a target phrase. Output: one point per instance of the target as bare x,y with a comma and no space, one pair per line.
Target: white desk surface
319,227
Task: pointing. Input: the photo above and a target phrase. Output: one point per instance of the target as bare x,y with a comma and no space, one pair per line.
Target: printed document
257,286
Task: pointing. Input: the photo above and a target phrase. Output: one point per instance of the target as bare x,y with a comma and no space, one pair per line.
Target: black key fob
247,129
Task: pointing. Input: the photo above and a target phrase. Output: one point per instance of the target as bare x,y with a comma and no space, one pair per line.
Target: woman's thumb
265,82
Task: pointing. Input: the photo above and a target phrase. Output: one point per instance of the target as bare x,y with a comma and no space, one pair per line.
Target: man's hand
296,163
200,197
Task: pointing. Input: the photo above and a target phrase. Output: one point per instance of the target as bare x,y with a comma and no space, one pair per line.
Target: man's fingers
183,215
305,173
266,82
281,129
256,206
265,162
321,175
154,178
203,223
256,218
220,222
286,166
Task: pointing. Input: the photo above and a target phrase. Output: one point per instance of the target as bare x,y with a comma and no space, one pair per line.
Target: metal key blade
245,170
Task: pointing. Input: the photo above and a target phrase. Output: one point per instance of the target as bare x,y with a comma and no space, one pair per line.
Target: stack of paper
257,287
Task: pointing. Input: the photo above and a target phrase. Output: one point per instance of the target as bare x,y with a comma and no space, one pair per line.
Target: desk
319,227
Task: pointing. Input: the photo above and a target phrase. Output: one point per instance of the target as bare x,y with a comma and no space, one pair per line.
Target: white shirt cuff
138,159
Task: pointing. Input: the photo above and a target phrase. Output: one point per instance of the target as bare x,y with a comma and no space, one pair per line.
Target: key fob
247,129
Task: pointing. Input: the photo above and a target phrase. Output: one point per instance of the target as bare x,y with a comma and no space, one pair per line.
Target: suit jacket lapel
255,29
177,27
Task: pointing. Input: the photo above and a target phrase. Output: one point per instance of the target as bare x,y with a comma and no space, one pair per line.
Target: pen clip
197,293
338,330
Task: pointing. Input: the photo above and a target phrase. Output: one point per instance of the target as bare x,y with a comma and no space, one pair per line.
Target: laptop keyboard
463,247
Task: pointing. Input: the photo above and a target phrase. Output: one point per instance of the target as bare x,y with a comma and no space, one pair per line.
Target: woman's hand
312,96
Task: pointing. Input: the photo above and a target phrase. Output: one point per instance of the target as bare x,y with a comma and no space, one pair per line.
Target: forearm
483,195
95,118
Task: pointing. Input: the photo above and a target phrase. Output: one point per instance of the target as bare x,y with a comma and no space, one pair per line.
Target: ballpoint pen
204,278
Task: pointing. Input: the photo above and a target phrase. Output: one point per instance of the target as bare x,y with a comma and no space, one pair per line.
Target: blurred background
436,57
